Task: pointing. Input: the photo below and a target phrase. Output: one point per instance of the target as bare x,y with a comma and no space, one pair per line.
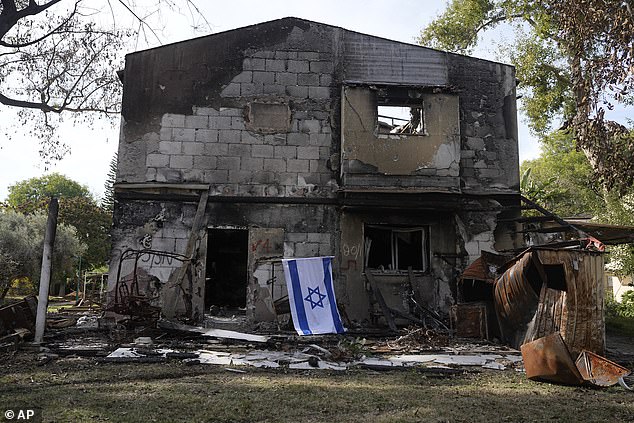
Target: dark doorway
226,274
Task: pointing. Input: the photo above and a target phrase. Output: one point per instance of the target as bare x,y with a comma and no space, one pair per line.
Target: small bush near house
619,317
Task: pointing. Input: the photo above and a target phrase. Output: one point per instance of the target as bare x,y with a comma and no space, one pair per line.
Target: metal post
45,274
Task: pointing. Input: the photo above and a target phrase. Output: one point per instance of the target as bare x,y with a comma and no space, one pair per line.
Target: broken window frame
401,97
393,267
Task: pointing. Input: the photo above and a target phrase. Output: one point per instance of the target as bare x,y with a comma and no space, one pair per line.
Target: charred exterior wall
277,123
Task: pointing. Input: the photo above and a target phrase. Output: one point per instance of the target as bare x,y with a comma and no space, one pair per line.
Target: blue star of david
320,296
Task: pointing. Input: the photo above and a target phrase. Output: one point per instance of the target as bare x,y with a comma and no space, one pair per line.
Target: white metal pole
45,275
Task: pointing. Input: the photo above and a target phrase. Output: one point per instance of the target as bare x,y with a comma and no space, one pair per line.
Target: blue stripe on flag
331,296
299,299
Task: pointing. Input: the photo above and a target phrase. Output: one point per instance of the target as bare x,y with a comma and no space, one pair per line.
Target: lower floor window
396,248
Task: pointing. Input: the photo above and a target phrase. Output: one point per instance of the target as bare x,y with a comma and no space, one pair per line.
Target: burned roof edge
307,21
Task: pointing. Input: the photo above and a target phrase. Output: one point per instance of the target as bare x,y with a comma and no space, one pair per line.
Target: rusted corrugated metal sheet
599,370
547,359
516,299
529,306
578,313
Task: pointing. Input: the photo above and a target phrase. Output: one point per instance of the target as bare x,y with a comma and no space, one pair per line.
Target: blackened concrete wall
254,116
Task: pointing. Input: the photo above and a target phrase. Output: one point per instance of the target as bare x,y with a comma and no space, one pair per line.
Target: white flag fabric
311,295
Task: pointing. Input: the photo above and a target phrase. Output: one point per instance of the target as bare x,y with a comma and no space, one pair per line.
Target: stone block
247,137
297,91
320,238
217,176
287,178
262,151
196,122
274,89
181,162
250,89
296,237
324,153
217,149
306,249
230,111
170,147
205,162
321,140
157,160
467,154
325,80
181,134
318,92
489,173
251,164
253,63
240,150
322,66
285,54
150,174
263,177
164,174
228,163
308,152
194,175
165,134
275,65
285,78
265,54
231,90
296,138
298,66
308,55
308,79
220,122
240,176
285,152
206,135
310,126
244,76
229,136
171,120
193,148
294,165
237,122
475,143
274,165
264,77
205,111
276,139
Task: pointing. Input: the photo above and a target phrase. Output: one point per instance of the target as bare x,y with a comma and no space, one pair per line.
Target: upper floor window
401,120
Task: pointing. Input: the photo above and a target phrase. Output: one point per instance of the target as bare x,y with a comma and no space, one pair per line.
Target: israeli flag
312,297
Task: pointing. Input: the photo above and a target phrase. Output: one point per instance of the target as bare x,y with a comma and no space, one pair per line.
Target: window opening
403,120
396,248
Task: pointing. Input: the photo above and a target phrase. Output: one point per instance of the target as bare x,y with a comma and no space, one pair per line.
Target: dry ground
83,389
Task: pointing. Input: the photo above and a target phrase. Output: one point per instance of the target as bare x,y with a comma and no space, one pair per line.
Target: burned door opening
226,273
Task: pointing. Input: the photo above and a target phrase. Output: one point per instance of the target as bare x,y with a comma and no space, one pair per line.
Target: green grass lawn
77,390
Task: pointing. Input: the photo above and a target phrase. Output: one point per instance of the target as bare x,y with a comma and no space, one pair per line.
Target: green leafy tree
561,179
574,58
21,242
108,197
77,208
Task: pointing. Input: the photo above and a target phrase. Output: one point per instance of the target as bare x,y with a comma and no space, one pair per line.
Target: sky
92,148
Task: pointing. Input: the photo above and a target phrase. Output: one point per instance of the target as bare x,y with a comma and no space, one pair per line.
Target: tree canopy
77,208
575,60
21,242
61,57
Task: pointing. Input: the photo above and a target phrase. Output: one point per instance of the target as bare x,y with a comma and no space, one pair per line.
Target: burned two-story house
293,138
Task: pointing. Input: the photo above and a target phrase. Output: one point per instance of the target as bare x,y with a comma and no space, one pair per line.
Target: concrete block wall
488,124
214,145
